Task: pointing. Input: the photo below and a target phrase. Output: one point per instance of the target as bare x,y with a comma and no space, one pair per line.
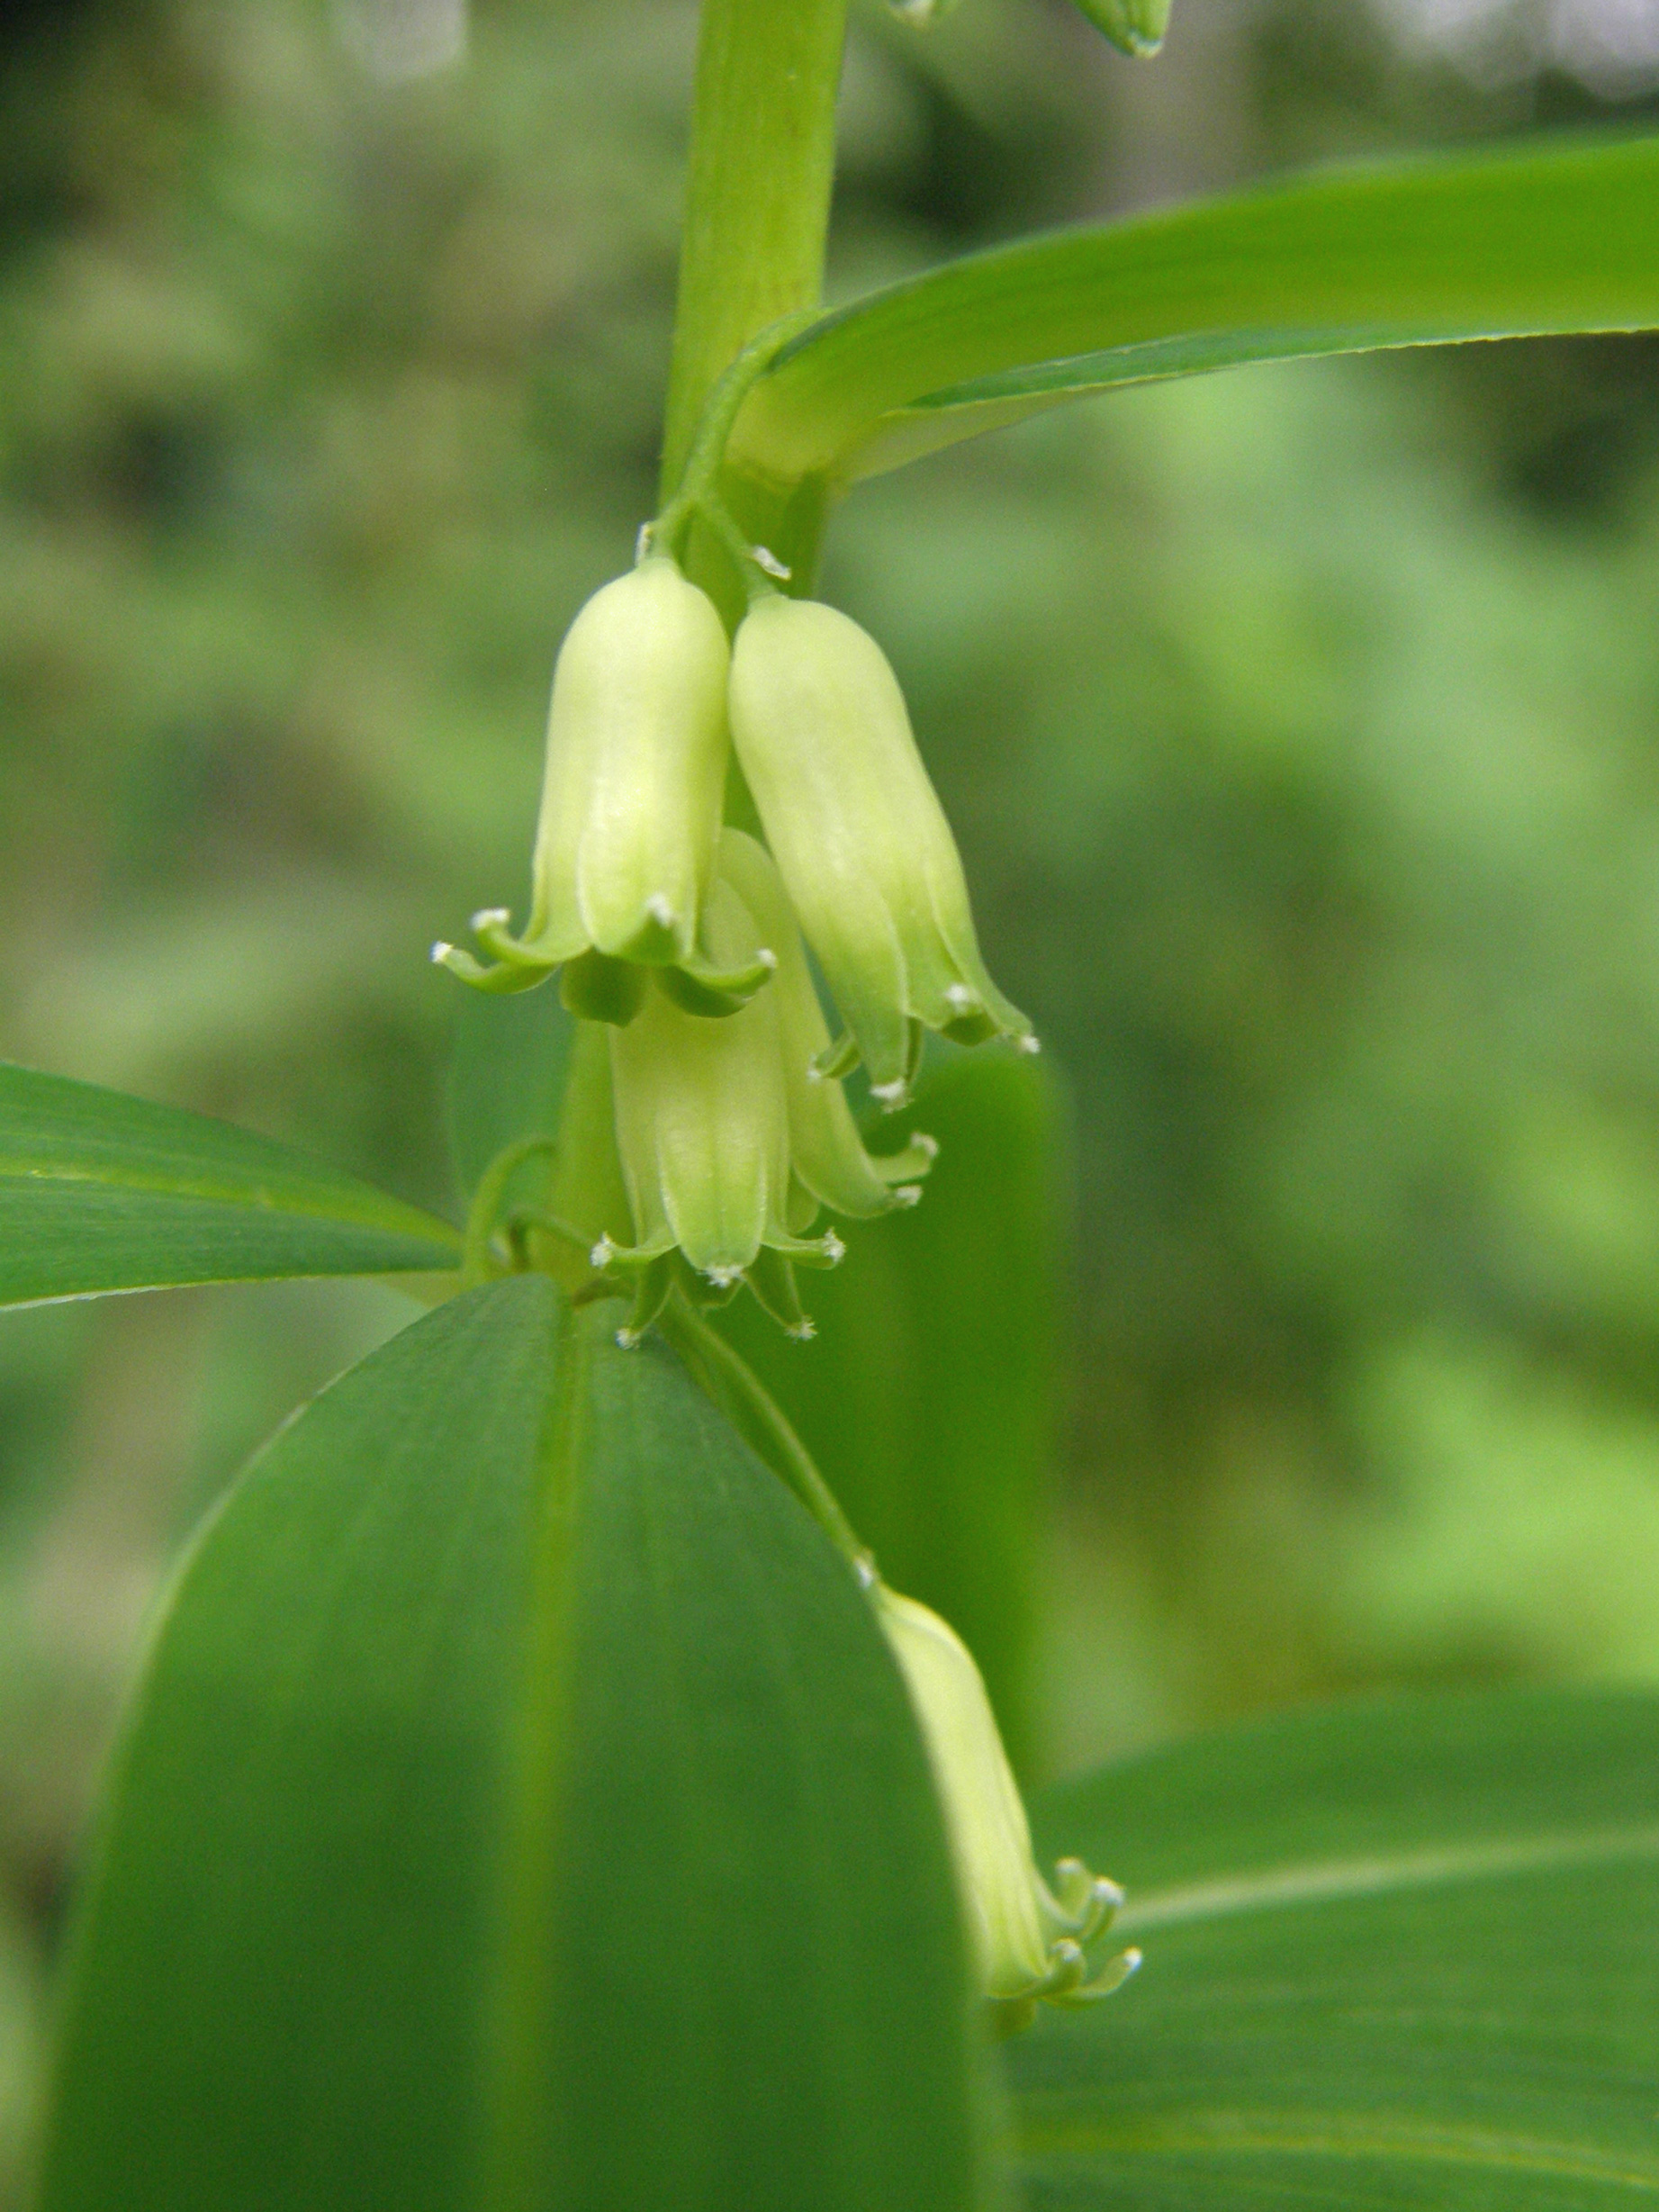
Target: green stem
758,193
762,164
477,1264
701,475
761,1423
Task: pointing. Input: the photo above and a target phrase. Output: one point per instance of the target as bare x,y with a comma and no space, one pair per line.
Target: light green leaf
100,1191
928,1396
520,1811
1498,244
1396,1956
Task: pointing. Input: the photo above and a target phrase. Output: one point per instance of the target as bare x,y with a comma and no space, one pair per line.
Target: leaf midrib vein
1329,2135
1324,1881
331,1204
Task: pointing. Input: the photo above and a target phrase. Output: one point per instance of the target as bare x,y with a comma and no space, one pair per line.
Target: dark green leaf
99,1191
1504,244
507,1078
928,1396
1396,1956
520,1811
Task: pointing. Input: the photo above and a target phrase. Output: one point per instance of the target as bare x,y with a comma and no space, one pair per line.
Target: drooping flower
826,1153
1028,1943
703,1134
861,840
630,808
729,1146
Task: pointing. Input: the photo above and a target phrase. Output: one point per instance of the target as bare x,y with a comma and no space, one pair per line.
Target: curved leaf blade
520,1811
1434,250
100,1192
1399,1955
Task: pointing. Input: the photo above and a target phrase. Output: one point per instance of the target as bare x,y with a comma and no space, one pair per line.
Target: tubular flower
630,809
825,1152
1028,1943
861,840
703,1134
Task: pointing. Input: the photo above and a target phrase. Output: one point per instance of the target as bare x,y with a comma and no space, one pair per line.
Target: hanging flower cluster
686,936
688,939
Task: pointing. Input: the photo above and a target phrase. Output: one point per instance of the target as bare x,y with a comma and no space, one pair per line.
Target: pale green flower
1027,1942
728,1145
631,795
826,1153
703,1127
861,840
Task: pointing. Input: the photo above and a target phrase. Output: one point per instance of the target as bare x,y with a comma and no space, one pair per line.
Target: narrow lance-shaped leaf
1397,1956
100,1191
521,1813
1502,244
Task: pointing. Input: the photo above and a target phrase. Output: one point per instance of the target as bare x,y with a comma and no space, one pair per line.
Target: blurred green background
1300,728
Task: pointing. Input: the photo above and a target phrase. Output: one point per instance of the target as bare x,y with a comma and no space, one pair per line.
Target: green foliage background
1300,728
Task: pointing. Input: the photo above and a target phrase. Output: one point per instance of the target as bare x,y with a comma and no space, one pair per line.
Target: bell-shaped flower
631,797
1028,1942
861,842
826,1153
703,1135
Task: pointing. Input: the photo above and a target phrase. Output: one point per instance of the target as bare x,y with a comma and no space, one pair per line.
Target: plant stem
758,193
762,166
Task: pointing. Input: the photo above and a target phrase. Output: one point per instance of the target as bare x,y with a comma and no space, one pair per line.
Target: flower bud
636,770
826,1151
1026,1943
703,1133
1134,26
860,839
